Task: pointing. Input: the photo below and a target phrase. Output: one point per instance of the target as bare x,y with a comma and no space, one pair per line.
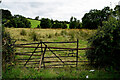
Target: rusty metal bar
64,61
46,42
27,54
59,56
54,53
31,55
54,47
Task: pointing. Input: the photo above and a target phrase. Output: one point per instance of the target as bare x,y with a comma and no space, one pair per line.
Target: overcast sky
55,9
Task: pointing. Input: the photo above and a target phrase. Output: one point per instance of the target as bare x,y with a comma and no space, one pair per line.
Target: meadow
34,23
28,35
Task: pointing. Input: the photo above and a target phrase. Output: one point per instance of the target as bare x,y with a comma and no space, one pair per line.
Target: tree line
90,20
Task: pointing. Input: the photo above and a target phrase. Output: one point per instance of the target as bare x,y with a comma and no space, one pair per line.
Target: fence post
77,53
42,58
41,47
41,55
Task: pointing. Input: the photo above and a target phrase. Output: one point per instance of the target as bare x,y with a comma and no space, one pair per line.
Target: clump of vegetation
7,49
63,32
106,42
50,35
72,35
33,36
23,32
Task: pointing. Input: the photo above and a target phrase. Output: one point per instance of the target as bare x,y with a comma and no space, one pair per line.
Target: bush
106,42
7,49
33,36
23,32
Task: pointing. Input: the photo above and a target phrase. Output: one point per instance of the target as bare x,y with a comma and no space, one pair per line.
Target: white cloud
55,9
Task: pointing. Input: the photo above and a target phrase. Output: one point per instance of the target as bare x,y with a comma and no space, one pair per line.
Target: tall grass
58,73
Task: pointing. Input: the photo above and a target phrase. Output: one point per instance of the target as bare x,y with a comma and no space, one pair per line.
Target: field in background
50,34
34,23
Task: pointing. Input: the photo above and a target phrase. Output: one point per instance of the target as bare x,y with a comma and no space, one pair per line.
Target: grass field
55,35
34,23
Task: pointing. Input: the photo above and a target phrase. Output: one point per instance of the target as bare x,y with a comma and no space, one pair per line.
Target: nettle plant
106,42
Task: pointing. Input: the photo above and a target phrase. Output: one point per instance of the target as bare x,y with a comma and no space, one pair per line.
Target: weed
23,32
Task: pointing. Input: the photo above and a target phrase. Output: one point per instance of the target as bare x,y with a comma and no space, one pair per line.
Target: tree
74,23
106,42
18,21
117,12
95,17
6,14
46,23
37,18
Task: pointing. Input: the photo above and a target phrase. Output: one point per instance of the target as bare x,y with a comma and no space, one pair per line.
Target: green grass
34,23
68,26
58,73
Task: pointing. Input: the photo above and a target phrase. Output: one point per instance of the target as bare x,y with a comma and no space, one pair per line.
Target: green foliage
23,32
7,49
21,22
16,21
58,24
37,18
6,14
106,42
94,18
116,12
46,23
74,23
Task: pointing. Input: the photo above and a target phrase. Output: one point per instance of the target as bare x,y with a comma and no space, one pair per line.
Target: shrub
23,32
7,49
33,36
106,42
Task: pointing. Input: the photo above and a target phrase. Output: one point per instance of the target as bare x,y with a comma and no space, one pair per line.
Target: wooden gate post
77,53
42,58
